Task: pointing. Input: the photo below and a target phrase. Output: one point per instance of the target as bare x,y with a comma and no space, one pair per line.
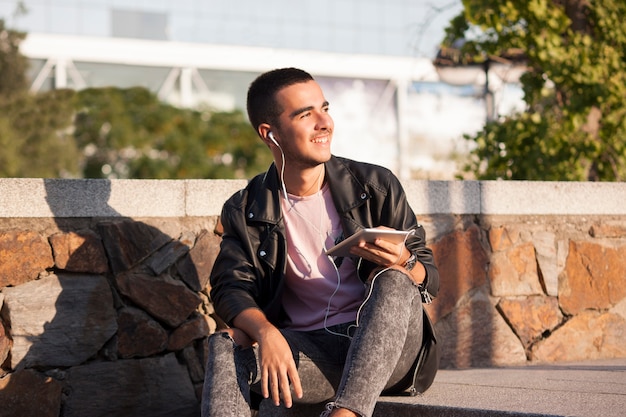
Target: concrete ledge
586,389
30,197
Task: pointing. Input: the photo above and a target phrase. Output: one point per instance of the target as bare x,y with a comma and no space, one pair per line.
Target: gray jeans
352,372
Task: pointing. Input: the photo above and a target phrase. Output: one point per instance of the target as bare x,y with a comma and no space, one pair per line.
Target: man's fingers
284,388
295,383
275,389
264,384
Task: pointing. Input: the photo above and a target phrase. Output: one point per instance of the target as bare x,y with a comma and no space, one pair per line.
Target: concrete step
589,389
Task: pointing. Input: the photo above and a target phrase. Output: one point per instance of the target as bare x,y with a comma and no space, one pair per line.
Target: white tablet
367,235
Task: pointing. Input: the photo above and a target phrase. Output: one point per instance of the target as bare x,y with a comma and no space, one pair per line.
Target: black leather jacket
248,271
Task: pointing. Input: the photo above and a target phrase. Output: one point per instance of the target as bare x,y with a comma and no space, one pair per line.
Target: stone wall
104,306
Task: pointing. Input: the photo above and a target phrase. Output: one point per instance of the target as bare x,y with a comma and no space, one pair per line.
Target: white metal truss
63,68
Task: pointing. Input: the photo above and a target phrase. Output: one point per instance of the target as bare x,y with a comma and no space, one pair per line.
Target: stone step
587,389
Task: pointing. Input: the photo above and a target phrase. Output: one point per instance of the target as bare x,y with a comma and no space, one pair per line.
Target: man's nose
324,121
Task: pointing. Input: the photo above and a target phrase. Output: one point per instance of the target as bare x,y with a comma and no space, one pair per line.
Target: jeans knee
395,281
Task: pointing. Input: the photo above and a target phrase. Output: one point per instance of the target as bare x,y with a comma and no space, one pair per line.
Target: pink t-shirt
312,280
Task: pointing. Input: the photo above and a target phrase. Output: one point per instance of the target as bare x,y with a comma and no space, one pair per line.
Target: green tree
13,65
129,133
574,124
35,134
114,133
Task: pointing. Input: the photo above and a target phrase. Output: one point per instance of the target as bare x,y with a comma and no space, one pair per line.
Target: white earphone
271,136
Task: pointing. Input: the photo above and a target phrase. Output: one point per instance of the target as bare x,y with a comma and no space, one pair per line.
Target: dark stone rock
155,387
62,320
162,297
139,335
129,242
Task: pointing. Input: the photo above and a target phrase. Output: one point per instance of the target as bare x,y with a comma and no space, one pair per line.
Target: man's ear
264,130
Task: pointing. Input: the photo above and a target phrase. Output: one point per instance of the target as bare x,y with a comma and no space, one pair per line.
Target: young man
305,326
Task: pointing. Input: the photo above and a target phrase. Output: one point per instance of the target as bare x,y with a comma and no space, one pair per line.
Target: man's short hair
261,102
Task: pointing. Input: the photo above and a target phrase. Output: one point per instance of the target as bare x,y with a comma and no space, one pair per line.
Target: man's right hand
278,368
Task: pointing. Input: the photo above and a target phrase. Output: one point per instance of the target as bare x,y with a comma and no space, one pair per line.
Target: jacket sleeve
405,219
234,274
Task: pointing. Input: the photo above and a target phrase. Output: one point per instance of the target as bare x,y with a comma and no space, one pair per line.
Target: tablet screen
367,235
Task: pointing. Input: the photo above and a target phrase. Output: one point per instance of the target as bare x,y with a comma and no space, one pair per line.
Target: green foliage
129,133
575,87
114,133
13,65
35,136
122,133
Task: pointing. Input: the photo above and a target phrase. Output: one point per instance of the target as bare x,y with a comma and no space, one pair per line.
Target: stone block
29,393
195,268
593,278
80,251
139,335
59,320
24,256
476,335
128,242
588,336
155,387
531,317
195,328
462,264
547,260
514,272
163,297
5,342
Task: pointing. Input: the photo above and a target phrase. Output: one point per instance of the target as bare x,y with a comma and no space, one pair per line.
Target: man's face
306,128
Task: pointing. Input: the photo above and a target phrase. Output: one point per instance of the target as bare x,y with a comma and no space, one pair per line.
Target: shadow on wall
462,310
118,325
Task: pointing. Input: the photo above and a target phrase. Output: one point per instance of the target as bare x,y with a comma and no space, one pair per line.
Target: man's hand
278,368
389,255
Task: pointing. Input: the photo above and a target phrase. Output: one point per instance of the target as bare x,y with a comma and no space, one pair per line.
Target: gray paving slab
589,389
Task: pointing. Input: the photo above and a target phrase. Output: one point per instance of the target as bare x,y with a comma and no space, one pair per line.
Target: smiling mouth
322,139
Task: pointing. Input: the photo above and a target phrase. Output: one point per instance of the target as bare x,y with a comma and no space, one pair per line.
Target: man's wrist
409,264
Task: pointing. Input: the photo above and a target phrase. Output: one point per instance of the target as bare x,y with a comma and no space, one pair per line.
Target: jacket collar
264,197
345,188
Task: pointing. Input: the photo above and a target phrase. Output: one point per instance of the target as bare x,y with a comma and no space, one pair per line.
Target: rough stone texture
475,335
590,335
23,256
5,341
195,364
501,238
79,252
514,272
152,387
620,309
608,229
196,268
189,331
162,297
593,278
29,393
139,335
161,260
128,242
531,317
462,264
59,320
547,259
